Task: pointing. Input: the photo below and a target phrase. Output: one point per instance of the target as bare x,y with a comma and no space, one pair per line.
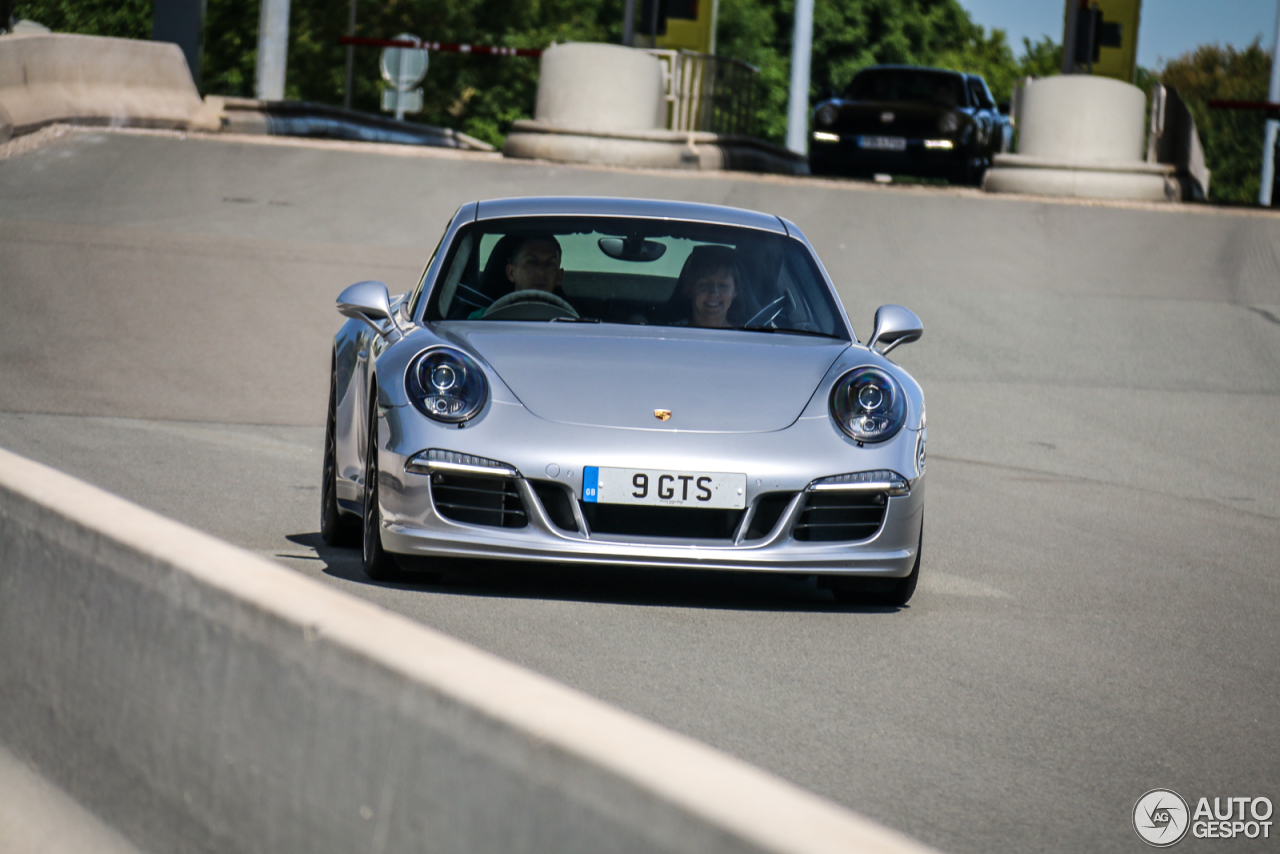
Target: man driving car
535,265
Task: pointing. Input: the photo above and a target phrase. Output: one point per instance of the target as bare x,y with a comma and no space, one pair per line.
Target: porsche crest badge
662,414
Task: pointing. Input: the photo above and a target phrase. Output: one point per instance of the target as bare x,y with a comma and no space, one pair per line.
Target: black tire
863,591
968,175
337,529
379,565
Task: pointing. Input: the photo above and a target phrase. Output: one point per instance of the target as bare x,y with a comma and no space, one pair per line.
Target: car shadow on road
612,584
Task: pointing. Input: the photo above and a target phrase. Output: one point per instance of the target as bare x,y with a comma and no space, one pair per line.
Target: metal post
1269,147
628,23
1069,36
351,57
401,83
1093,36
178,21
801,53
273,50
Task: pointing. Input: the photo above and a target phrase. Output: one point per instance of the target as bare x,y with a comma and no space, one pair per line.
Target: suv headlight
826,116
949,123
446,384
869,405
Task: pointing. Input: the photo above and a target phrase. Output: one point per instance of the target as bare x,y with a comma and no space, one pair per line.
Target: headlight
949,123
869,405
826,115
446,384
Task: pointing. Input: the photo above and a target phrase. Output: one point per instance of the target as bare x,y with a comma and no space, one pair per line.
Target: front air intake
491,501
840,516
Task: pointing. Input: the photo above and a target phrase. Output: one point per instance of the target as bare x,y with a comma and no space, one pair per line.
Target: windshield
634,271
897,84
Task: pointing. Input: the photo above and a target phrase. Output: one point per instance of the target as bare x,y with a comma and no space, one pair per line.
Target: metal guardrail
708,93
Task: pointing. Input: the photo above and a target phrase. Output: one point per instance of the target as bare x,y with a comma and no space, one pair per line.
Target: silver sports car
618,381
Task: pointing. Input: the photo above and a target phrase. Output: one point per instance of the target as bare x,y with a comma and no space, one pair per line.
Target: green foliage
1232,139
480,95
126,19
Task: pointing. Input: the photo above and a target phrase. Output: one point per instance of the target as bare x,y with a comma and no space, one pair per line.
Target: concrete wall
90,79
200,698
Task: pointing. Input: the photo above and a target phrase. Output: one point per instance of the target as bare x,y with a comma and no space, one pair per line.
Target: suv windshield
904,84
636,271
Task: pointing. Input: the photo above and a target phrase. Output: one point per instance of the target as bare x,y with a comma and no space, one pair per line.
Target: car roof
928,68
642,208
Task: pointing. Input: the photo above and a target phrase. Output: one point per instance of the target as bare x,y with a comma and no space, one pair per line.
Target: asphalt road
1098,606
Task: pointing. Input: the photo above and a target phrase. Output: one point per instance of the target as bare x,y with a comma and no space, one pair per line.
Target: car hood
617,376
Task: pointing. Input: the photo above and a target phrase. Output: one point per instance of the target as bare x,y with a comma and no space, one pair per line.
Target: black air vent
769,509
558,503
685,523
839,515
491,501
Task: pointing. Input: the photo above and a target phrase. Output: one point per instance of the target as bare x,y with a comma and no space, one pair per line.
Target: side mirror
370,302
1004,107
895,325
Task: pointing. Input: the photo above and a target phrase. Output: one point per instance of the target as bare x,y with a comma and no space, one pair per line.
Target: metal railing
708,93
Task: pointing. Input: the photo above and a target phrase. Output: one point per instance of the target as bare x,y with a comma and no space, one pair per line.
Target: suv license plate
883,143
664,488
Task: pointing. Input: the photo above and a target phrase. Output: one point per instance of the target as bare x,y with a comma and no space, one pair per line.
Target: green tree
480,95
126,19
1232,139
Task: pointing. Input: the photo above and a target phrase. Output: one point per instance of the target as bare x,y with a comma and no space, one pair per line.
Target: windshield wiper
789,331
575,320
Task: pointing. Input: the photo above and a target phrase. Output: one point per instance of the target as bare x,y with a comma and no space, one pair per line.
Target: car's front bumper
845,155
552,455
890,552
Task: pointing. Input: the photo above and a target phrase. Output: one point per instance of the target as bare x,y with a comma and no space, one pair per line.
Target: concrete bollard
600,87
602,103
1082,136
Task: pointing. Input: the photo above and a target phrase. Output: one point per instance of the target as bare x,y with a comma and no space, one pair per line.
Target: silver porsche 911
614,381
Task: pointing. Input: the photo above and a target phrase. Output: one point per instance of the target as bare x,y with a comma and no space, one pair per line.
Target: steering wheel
529,304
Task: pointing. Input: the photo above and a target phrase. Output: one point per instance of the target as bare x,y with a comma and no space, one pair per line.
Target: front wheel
336,528
888,593
378,564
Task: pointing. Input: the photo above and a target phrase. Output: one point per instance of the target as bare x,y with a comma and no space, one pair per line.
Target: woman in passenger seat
709,281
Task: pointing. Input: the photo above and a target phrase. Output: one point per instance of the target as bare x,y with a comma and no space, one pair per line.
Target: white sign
403,68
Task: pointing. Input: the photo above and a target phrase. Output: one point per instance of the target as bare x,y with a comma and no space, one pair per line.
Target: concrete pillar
1083,120
600,87
273,49
182,23
1082,136
801,52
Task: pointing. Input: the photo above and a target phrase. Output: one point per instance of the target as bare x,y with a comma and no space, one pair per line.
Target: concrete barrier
1081,136
200,698
607,104
46,78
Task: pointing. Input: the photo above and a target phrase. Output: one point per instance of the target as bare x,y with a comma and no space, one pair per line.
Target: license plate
664,488
883,143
